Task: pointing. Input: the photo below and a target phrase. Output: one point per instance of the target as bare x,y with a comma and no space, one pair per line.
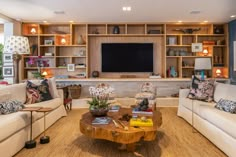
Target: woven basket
74,91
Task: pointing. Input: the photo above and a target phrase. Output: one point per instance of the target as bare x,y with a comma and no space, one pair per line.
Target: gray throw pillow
10,106
226,105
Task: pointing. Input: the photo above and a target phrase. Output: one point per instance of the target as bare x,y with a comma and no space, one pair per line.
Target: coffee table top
112,133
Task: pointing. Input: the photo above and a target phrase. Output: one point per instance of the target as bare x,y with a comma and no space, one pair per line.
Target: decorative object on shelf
17,45
188,30
202,64
208,42
7,58
95,74
177,52
70,67
182,53
173,72
205,51
116,30
8,71
99,106
196,47
218,73
48,42
172,40
154,32
218,30
171,52
81,40
34,48
95,31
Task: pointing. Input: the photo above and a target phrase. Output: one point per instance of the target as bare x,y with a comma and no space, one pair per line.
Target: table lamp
17,45
202,64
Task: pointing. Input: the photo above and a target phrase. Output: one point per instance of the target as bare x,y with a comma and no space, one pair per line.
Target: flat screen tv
127,57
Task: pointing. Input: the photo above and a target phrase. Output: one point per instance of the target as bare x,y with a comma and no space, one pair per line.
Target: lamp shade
17,44
202,64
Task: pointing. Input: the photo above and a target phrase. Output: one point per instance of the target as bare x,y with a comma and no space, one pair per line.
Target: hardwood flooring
175,139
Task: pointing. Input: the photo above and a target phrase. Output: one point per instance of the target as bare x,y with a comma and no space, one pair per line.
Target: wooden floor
175,139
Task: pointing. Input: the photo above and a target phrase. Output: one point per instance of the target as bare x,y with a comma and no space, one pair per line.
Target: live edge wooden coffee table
119,135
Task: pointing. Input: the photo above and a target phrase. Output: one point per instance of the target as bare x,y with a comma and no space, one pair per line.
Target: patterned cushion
10,106
204,91
226,105
37,93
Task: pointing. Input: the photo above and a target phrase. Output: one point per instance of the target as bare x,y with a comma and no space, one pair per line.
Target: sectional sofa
216,125
15,127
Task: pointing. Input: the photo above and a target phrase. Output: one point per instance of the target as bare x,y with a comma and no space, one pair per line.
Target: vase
116,30
81,40
99,112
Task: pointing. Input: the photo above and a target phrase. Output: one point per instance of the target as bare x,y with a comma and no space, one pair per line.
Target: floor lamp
17,45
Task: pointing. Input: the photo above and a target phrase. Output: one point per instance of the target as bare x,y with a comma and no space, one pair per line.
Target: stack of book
114,108
139,122
146,112
101,120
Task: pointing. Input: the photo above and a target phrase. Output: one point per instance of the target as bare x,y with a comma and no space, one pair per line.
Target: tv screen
127,57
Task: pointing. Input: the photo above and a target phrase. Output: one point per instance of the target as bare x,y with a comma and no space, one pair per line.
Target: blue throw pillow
226,105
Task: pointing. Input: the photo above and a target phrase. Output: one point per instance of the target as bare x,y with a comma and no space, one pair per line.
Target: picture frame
197,47
8,71
48,42
70,67
7,57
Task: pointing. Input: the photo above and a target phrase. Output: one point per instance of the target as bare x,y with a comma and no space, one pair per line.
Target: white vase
81,40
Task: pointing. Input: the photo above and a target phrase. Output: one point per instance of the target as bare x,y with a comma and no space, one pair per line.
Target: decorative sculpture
188,30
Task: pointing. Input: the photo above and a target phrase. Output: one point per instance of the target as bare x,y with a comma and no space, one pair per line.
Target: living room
65,63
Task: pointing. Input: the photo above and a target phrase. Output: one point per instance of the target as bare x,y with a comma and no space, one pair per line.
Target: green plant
1,52
97,104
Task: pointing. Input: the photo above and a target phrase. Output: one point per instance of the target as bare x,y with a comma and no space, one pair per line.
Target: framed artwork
7,57
197,47
70,67
8,71
48,42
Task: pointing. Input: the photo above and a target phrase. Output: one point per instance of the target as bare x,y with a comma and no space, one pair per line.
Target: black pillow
195,82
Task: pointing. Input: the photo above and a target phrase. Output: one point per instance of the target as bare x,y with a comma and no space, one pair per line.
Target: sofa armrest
183,93
61,94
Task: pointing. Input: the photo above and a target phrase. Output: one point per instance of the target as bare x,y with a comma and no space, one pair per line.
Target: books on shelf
139,122
114,108
101,120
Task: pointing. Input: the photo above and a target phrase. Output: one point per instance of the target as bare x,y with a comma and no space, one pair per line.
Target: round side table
44,139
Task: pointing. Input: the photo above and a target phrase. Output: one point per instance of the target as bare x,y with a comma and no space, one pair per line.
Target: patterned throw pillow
10,106
204,91
37,93
226,105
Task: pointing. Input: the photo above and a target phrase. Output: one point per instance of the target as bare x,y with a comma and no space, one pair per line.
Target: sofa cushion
223,120
10,106
226,105
12,123
54,103
38,93
204,91
16,90
224,91
5,97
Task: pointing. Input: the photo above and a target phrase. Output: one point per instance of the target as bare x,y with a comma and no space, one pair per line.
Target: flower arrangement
100,96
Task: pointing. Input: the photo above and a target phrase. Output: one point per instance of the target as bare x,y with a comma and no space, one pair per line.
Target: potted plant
99,104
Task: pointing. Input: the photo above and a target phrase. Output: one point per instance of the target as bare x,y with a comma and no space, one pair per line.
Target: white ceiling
111,10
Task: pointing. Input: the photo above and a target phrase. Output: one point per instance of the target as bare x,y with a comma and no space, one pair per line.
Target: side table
44,139
31,143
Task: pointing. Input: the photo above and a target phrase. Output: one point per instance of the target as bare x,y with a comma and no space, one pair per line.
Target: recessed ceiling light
126,8
180,21
45,21
205,21
195,12
232,16
71,21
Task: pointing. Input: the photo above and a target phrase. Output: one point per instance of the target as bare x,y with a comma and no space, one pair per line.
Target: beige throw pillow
5,97
53,88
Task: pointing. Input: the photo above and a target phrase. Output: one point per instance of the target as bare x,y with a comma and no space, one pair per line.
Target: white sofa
15,127
218,126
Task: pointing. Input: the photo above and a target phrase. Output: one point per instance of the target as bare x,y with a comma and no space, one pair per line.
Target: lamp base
202,75
30,144
44,139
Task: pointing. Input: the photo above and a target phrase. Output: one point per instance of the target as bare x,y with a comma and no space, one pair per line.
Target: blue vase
173,73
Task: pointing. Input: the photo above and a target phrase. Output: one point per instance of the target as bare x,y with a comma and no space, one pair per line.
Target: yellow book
138,122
